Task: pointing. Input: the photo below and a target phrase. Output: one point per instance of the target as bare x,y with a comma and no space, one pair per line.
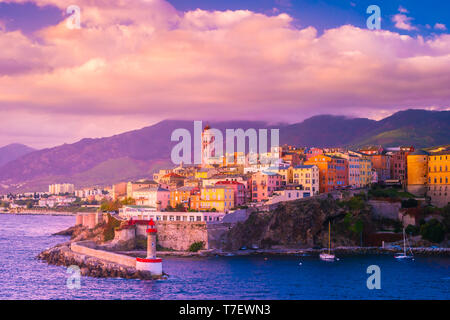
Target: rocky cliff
304,224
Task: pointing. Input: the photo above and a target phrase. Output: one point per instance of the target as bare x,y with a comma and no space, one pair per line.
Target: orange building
181,196
333,171
381,163
195,200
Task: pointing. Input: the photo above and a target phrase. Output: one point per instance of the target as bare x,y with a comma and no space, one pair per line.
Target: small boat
403,255
328,256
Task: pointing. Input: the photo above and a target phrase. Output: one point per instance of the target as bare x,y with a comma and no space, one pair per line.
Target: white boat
403,255
328,256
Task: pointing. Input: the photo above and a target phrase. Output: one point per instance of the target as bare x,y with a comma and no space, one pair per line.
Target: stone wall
179,235
125,234
82,248
89,219
385,209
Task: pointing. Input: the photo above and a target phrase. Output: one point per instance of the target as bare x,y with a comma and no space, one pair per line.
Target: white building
151,196
288,195
147,213
61,188
52,202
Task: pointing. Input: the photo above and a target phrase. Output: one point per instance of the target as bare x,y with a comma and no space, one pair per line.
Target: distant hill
138,153
420,128
12,152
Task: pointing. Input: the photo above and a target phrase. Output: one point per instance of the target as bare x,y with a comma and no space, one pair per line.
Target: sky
133,63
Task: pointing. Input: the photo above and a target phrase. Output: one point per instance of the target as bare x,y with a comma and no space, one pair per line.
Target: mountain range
12,152
136,154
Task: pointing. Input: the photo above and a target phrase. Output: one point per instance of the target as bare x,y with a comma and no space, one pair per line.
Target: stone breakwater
62,255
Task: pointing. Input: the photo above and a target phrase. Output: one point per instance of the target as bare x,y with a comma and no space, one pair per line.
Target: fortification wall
78,247
180,235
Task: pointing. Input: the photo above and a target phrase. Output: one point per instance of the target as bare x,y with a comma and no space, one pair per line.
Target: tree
412,230
128,201
108,206
433,231
179,208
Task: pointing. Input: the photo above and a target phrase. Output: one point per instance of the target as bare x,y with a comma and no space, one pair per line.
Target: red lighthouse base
152,265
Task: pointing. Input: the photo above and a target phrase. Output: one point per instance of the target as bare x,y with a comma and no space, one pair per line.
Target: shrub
141,244
433,231
413,230
199,245
356,203
108,233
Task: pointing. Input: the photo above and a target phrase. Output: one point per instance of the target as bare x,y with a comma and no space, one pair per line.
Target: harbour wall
83,248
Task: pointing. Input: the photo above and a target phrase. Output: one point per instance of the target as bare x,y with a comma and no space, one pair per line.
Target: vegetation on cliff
196,246
111,225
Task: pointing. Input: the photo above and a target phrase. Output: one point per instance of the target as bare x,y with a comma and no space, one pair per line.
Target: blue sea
22,276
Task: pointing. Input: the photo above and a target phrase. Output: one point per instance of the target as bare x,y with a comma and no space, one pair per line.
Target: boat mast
404,242
329,237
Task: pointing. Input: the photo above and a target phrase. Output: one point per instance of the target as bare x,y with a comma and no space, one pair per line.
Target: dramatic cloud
136,62
403,22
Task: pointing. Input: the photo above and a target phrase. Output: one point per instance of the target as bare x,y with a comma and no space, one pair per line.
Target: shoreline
47,213
63,255
299,252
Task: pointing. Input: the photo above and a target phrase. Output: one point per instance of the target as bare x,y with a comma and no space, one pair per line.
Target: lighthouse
150,263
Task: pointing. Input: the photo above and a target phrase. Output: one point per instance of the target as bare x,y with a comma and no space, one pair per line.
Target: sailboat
328,256
403,255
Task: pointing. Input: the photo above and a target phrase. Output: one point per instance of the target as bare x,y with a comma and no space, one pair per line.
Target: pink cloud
129,65
402,10
403,22
440,26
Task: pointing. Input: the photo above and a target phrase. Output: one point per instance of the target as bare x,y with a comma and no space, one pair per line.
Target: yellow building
181,196
220,198
438,178
205,173
417,167
428,174
286,175
307,176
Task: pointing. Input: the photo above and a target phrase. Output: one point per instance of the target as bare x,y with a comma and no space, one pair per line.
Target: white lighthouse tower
210,155
150,263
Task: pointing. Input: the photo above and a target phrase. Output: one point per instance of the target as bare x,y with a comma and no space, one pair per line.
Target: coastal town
371,198
405,186
228,183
